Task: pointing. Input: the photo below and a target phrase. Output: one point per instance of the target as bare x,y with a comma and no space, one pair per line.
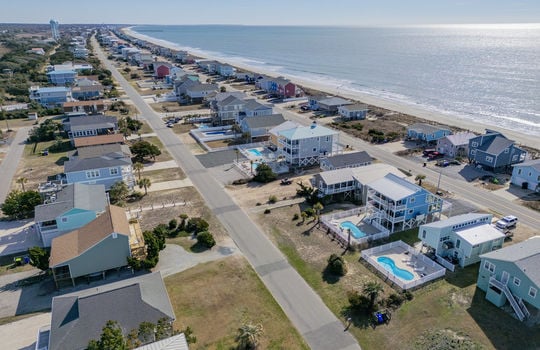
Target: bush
358,301
20,205
295,217
272,199
309,212
264,174
173,224
39,258
336,265
196,225
206,239
267,211
408,295
358,127
394,300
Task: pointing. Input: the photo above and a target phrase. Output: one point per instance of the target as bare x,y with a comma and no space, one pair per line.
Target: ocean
481,73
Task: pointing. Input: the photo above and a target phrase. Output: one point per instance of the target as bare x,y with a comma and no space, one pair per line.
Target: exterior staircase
519,307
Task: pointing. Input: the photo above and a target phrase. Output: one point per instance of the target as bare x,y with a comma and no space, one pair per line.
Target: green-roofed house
513,274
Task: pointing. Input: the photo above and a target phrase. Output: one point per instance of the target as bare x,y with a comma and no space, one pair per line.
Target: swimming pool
355,231
209,133
390,266
255,152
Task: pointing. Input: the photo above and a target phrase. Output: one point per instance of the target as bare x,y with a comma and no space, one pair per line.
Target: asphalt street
8,167
318,325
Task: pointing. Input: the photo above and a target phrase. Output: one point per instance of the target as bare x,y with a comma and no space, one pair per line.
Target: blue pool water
215,133
390,266
255,152
355,231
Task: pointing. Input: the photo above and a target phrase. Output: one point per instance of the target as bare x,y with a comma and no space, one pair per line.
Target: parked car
435,155
506,222
428,151
443,163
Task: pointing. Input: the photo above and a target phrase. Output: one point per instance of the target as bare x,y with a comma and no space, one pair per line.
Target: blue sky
273,12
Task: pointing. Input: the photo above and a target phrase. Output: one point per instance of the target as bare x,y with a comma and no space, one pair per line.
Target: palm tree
236,129
419,178
371,290
138,166
248,335
304,216
144,183
22,181
318,207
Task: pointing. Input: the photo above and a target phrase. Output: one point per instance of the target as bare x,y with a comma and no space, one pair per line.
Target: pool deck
357,220
406,261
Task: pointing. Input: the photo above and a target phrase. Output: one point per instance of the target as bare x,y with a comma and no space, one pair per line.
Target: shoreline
395,106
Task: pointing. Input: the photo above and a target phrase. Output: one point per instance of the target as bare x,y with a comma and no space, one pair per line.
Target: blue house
397,204
426,132
527,175
493,151
62,77
512,274
100,164
68,209
50,97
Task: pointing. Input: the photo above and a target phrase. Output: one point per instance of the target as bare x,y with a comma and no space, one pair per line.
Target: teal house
512,275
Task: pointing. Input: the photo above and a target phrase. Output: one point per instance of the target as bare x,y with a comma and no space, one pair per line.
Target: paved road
8,167
458,186
318,325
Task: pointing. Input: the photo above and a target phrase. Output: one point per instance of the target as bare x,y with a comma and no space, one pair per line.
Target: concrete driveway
26,331
17,236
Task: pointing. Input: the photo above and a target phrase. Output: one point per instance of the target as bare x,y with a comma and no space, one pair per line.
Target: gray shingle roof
81,196
334,101
426,128
94,163
454,220
100,150
497,145
97,121
460,138
77,319
345,159
264,121
525,255
254,105
202,87
230,100
535,164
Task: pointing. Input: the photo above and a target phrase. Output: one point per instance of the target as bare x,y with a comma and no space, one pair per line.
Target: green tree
118,192
236,129
318,207
248,336
144,149
138,167
20,205
147,332
206,239
46,131
372,290
419,178
197,224
39,258
144,183
336,265
264,174
184,218
111,338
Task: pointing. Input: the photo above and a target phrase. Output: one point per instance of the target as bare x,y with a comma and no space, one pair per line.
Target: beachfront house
86,107
305,145
357,111
226,70
260,127
493,151
455,145
345,160
327,104
68,209
284,88
397,204
351,183
102,244
78,317
462,239
426,133
50,97
511,274
101,164
61,77
91,125
527,175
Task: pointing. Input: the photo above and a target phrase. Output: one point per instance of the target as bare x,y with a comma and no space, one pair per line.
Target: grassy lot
164,156
216,298
170,107
183,128
451,307
164,175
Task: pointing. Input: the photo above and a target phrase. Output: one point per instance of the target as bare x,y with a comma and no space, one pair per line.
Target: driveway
26,331
17,236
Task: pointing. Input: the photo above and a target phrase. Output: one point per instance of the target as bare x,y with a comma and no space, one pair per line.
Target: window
489,266
64,219
489,159
532,292
517,281
423,233
519,171
314,149
113,171
444,238
411,200
475,144
410,211
506,150
473,152
458,243
92,174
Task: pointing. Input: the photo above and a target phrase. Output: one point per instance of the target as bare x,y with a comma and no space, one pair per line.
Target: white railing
520,314
342,236
523,307
445,263
367,255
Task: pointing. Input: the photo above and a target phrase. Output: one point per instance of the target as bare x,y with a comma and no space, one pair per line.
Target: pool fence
341,236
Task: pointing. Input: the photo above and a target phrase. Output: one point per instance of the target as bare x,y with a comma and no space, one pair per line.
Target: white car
507,222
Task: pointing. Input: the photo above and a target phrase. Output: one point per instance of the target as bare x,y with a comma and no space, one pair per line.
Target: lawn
451,307
216,298
163,175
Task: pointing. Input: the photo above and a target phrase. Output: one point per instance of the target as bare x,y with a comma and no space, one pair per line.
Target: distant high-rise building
54,29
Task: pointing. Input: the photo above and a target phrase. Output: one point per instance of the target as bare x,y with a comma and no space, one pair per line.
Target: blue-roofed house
463,238
70,208
527,175
455,145
100,164
62,77
493,151
397,204
305,145
512,274
427,132
50,97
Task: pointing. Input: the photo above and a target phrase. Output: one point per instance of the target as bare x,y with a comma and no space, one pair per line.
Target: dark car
435,155
427,152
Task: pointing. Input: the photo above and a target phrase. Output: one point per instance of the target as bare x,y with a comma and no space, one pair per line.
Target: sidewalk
170,185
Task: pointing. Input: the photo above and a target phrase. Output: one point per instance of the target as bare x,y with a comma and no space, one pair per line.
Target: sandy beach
531,140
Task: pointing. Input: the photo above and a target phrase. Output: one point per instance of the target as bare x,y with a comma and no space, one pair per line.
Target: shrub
336,265
310,212
295,216
39,258
267,211
20,205
173,224
358,127
196,225
272,199
394,300
358,301
408,295
206,239
264,174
